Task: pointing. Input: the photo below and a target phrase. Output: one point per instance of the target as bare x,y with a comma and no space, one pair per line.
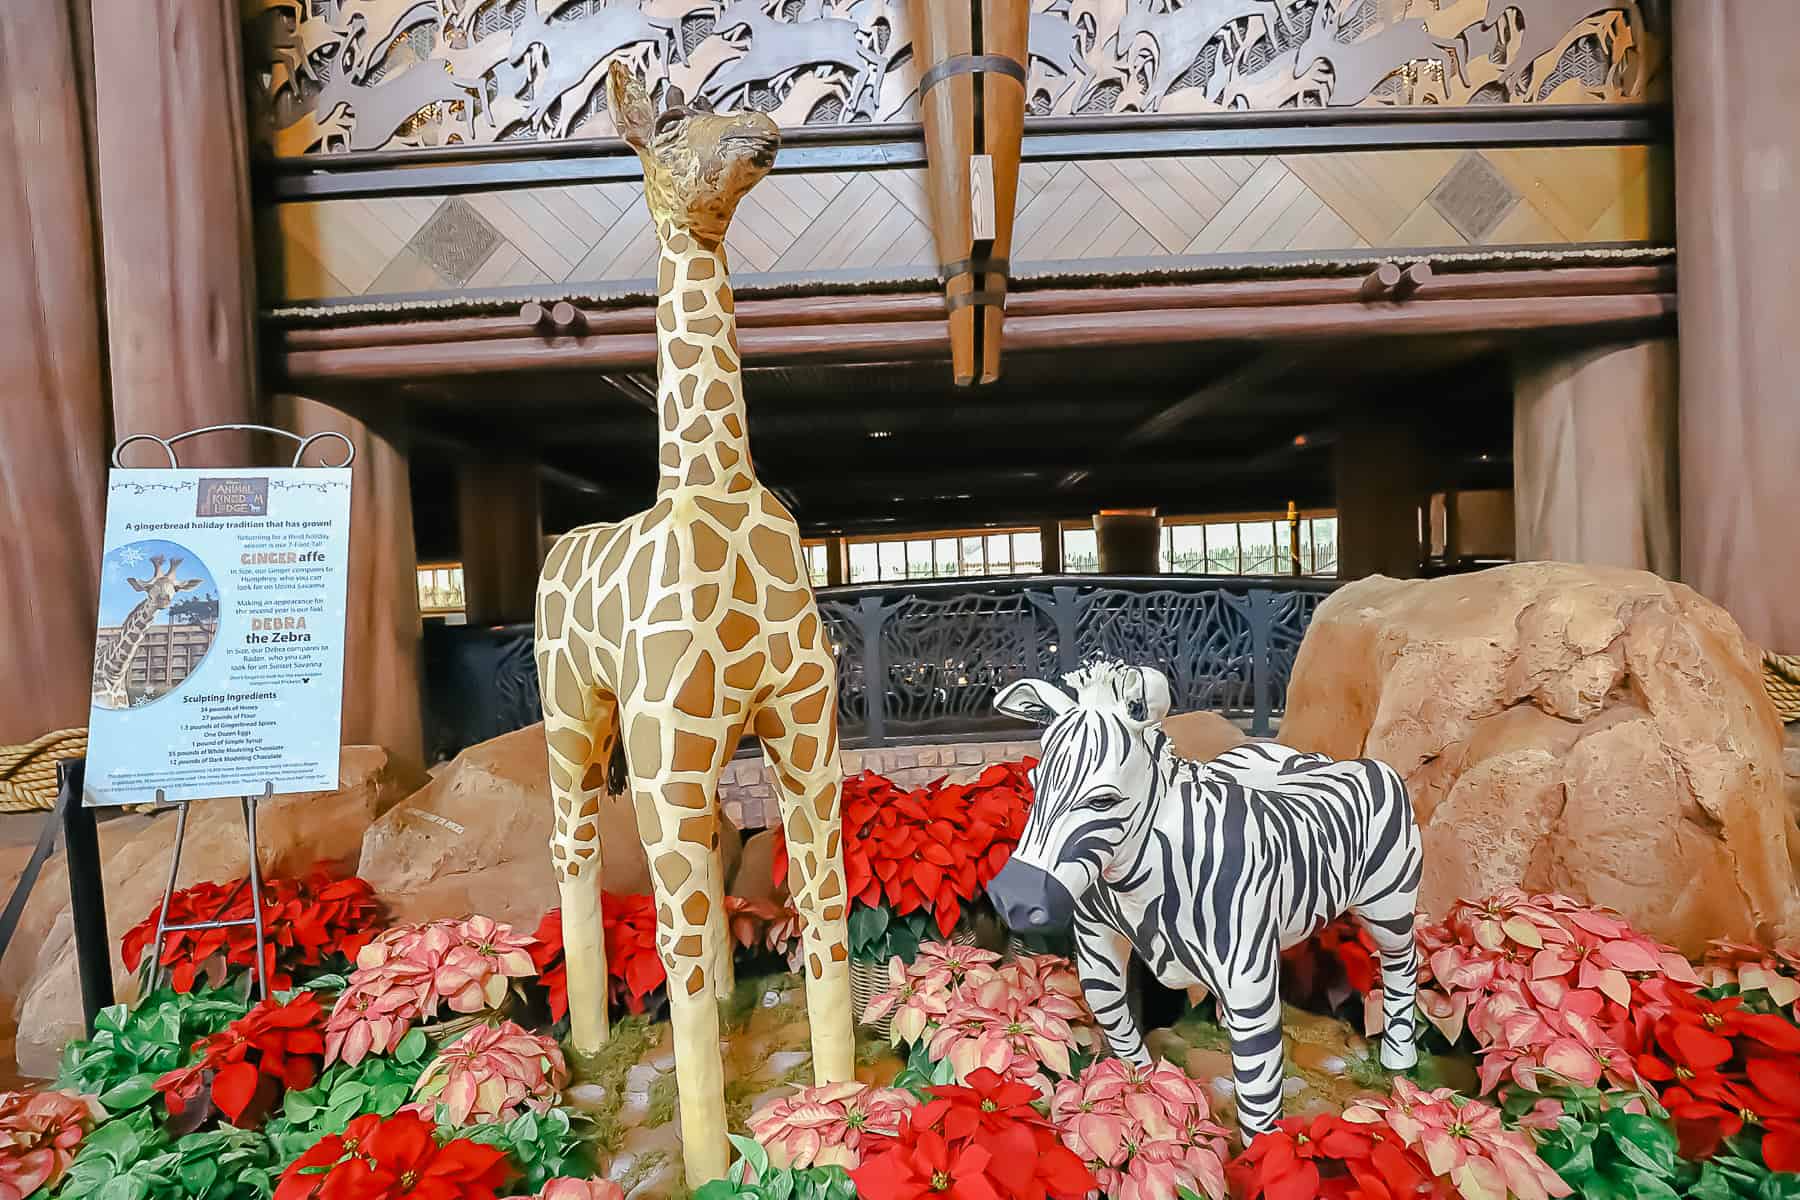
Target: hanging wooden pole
972,99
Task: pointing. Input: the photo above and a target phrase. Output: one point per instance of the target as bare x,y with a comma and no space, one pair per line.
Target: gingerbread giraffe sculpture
663,638
112,660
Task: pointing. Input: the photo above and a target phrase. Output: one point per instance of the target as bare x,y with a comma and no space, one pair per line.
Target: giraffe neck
704,438
131,636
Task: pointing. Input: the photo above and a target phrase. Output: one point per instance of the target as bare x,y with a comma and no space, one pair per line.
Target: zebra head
1094,781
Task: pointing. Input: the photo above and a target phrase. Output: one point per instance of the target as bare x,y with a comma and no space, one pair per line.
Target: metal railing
923,659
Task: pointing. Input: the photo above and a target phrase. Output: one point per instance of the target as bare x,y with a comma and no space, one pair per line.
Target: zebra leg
1103,960
1250,1008
1389,921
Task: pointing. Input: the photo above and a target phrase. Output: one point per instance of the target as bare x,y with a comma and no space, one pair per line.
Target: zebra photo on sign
1207,871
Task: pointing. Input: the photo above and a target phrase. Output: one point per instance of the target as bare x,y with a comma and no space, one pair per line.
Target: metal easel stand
260,989
260,977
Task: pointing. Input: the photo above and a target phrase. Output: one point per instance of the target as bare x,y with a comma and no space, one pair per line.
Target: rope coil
28,771
1781,676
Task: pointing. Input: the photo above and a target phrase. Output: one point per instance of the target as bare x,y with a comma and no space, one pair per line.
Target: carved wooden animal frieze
340,74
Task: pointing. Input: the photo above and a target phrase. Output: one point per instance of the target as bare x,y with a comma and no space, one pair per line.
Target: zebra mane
1107,683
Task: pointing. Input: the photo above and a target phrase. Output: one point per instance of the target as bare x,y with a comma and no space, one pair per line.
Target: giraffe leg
580,746
724,974
804,755
681,846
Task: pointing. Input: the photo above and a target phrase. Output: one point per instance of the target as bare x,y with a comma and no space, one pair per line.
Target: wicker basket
869,979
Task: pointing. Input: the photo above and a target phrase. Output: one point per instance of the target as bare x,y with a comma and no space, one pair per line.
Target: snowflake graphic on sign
130,556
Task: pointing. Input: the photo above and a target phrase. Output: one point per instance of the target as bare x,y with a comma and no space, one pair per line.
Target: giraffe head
159,590
697,164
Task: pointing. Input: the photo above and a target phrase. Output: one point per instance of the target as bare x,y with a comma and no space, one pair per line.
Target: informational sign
219,657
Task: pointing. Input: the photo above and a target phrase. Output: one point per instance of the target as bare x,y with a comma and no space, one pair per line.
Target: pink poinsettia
374,1011
944,966
409,972
1021,1020
493,1073
1545,985
828,1125
1144,1132
1775,971
1462,1141
1016,1040
39,1134
915,1008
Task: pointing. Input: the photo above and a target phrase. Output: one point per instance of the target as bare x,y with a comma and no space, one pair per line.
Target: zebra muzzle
1030,899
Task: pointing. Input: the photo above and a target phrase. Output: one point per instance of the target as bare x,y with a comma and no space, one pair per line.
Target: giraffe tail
616,777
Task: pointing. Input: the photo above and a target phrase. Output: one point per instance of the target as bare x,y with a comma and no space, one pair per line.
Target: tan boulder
1202,735
476,838
293,833
1592,730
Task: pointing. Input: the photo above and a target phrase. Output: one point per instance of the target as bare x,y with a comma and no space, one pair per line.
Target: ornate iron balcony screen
922,660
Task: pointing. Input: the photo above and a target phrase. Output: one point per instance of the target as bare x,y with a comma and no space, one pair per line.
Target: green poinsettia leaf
133,1092
198,1175
719,1189
867,924
1779,1185
754,1158
125,1187
412,1047
1573,1159
1643,1140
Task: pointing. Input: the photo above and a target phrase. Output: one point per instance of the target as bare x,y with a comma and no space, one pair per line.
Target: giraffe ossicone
663,638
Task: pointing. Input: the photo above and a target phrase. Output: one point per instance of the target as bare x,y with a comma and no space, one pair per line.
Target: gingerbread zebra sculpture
1207,871
665,637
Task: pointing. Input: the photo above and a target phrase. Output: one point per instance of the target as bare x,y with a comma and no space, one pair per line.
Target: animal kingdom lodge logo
233,498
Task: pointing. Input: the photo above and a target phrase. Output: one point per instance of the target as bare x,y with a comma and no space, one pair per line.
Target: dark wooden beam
1025,300
901,146
911,341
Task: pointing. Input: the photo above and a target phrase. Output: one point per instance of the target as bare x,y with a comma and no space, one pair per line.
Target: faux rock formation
477,839
1591,730
293,834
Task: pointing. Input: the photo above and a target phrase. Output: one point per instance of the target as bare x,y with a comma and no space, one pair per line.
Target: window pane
1027,553
972,558
1222,550
944,553
893,560
1189,555
1258,539
1080,554
1325,545
999,554
918,560
865,565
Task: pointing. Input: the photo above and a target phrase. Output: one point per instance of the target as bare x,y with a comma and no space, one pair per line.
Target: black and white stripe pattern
1208,870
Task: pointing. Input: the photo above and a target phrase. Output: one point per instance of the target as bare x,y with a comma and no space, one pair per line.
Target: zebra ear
1034,700
1151,703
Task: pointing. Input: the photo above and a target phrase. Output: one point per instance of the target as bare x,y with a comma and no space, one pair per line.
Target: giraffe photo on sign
219,635
159,612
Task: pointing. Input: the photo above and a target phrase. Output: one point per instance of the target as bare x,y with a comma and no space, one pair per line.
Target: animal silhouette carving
663,638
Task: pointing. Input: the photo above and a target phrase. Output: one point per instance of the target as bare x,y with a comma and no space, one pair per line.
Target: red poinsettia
932,848
1720,1069
1330,968
306,922
1332,1158
633,965
982,1141
391,1158
246,1067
